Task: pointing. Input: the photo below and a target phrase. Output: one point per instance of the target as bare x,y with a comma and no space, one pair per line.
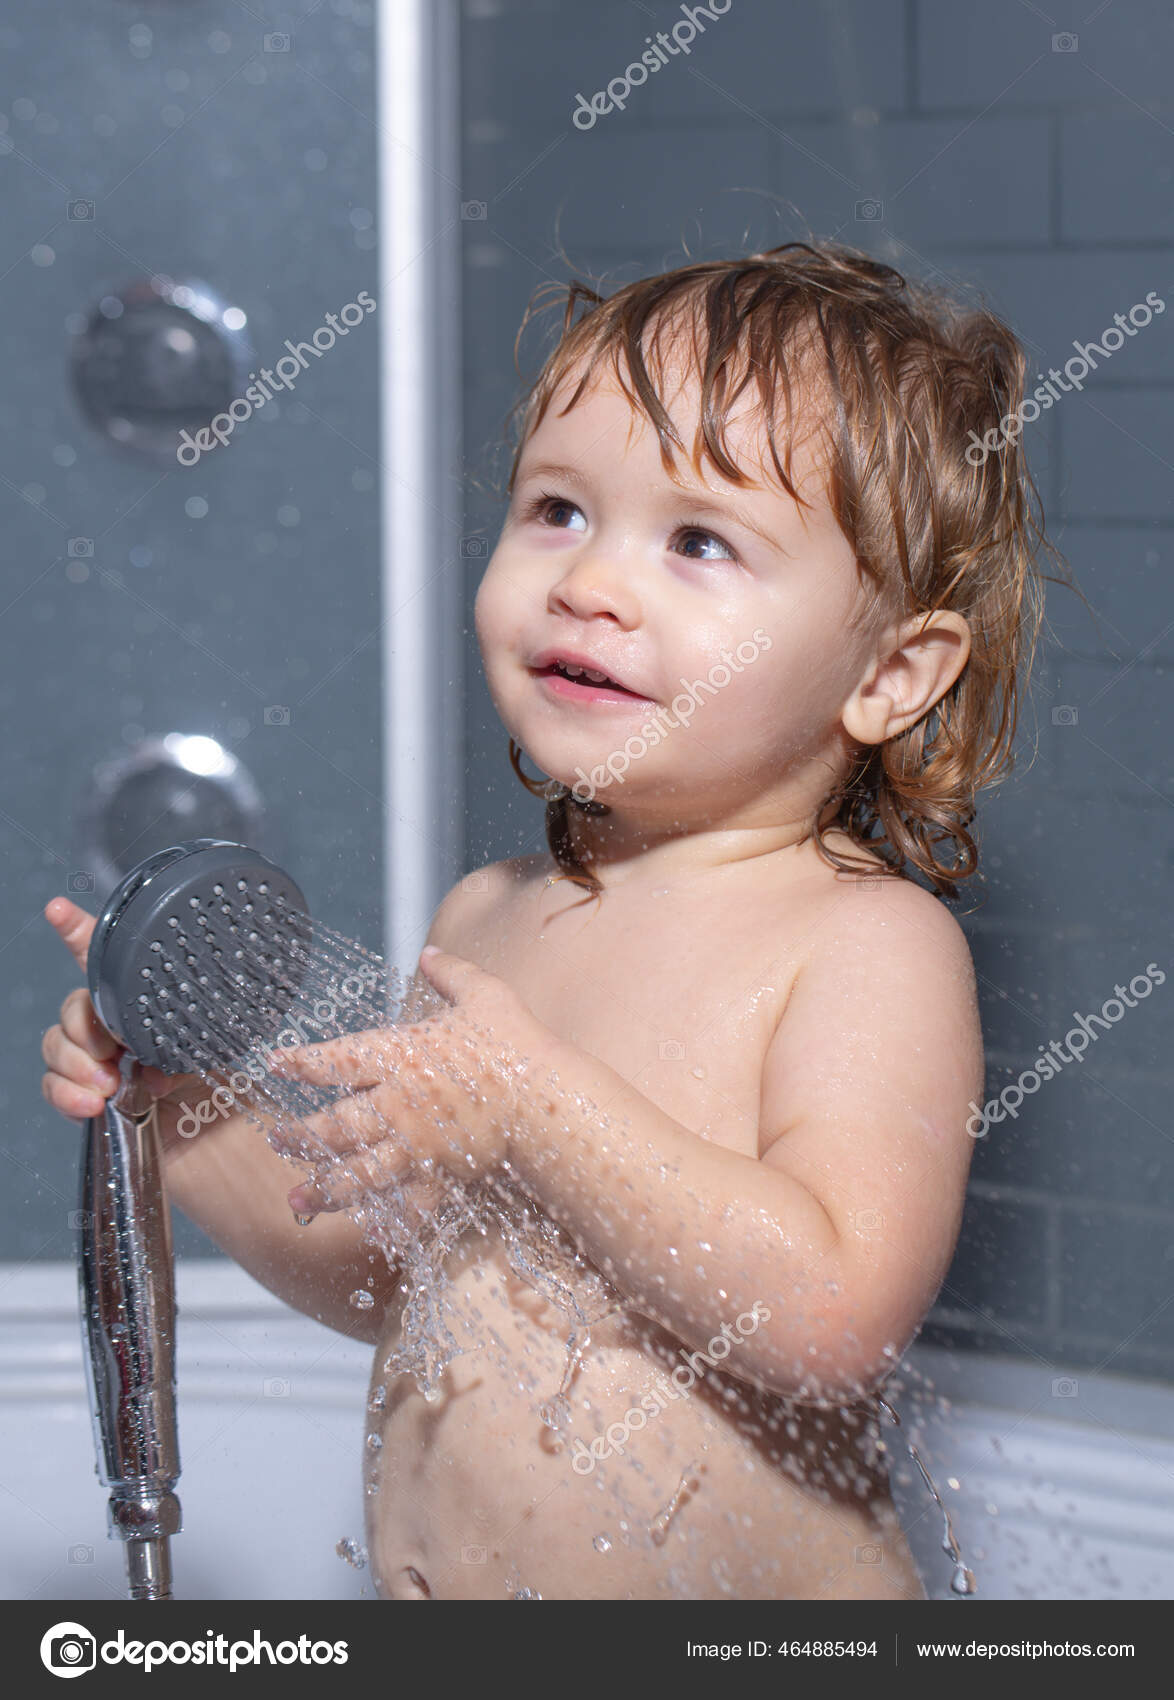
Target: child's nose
598,581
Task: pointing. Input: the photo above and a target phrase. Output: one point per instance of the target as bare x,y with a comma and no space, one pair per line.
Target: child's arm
845,1223
228,1179
233,1185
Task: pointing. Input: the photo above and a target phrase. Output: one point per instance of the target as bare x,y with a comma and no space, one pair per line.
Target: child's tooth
596,678
573,671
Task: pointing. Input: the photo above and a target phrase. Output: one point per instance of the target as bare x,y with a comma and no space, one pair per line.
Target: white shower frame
420,202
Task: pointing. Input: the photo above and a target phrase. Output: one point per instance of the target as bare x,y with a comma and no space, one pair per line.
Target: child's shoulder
883,1003
885,914
482,888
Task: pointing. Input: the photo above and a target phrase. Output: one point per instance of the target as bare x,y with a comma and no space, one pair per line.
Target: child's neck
622,849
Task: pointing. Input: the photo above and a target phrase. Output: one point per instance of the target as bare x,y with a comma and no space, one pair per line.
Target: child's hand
442,1092
81,1055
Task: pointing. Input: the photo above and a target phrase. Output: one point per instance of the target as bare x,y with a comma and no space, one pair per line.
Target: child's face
655,583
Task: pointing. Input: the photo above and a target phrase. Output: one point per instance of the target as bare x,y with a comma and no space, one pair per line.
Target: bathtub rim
217,1291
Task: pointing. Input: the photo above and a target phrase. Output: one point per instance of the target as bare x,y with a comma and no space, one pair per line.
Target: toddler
761,620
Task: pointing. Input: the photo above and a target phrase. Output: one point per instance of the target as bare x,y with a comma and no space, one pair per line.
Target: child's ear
916,664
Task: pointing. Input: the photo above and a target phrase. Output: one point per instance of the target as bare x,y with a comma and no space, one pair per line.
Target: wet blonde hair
902,376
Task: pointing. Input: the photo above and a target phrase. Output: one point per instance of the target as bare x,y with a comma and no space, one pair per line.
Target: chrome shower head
198,954
196,957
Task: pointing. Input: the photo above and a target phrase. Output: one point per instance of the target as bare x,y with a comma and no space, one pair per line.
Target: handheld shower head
196,957
198,954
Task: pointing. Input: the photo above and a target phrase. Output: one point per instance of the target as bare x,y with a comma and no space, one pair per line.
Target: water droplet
374,1442
601,1543
362,1300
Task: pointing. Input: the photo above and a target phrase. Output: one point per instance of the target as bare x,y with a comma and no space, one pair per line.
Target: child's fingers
75,1064
356,1060
72,925
81,1024
161,1085
77,1103
352,1120
337,1186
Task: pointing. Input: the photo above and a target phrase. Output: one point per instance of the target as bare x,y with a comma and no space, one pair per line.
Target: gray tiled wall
204,154
1039,175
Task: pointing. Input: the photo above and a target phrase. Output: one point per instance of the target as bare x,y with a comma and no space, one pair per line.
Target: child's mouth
579,684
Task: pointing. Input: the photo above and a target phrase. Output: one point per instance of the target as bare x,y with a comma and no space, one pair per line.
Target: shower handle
126,1280
126,1270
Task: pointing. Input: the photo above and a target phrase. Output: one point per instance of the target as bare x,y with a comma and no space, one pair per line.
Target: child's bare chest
681,1005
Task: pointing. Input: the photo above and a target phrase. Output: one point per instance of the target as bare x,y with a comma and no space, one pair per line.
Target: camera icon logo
276,715
68,1649
80,881
671,1050
476,882
275,1387
1065,715
1064,1387
80,1555
868,1555
474,211
868,1221
474,1555
79,210
80,547
870,211
79,1218
474,548
277,43
1065,42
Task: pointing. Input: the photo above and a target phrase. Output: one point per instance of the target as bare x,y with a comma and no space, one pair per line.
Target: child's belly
712,1496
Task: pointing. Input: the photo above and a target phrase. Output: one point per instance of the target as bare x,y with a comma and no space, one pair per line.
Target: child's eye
551,510
693,532
561,514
